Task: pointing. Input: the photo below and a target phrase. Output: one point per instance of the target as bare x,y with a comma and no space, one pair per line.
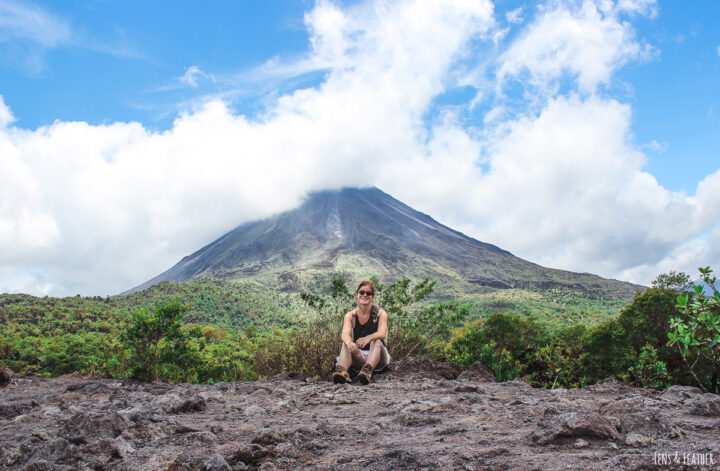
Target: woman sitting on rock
363,338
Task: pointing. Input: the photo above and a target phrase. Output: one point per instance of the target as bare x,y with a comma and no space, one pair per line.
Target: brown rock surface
6,377
401,421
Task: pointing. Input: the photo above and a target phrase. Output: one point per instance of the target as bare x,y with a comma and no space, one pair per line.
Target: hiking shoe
365,374
341,375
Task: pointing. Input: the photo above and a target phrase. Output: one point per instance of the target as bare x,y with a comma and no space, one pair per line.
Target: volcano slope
357,232
420,415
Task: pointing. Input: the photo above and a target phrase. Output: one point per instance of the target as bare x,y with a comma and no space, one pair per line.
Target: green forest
209,330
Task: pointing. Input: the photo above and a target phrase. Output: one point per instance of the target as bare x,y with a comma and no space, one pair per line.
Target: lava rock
216,463
91,426
10,410
556,424
707,405
424,367
477,372
196,404
6,377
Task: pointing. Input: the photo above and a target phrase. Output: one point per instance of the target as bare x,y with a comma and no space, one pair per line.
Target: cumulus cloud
99,209
6,116
121,203
588,41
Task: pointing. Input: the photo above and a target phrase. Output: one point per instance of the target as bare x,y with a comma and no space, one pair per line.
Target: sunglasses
366,293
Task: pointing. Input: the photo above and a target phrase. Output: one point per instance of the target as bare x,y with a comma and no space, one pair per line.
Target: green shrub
310,348
696,332
648,371
425,332
502,343
157,344
559,362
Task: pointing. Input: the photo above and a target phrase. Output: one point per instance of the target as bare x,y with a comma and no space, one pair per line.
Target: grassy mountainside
219,302
238,304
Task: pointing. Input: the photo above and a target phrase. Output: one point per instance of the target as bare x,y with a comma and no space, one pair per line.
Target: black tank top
368,328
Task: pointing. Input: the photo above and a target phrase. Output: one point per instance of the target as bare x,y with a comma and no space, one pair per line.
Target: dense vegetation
211,330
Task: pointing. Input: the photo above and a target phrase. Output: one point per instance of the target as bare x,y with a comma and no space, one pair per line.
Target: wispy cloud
28,31
32,23
192,75
515,16
654,146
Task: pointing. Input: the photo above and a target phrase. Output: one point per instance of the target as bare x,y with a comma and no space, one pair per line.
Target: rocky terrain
419,415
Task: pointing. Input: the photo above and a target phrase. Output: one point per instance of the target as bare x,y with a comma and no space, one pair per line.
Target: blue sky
579,135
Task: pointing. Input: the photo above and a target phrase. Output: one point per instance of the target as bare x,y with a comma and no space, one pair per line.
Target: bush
648,371
697,331
311,348
502,343
426,332
613,347
469,346
559,363
158,347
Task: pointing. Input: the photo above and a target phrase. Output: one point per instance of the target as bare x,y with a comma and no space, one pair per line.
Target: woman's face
364,295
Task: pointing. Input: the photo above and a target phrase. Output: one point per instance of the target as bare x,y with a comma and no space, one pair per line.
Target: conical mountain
356,233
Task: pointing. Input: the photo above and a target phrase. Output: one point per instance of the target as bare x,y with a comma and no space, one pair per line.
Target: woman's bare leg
347,358
376,357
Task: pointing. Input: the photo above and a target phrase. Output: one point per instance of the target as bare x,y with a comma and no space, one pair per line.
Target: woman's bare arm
347,332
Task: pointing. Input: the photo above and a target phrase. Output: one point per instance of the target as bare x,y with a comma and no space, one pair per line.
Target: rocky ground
420,415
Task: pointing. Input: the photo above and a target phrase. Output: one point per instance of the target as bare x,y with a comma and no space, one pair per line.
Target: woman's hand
352,347
362,342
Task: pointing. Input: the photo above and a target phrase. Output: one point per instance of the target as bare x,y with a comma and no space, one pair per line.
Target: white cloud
641,7
718,50
27,31
565,189
191,76
6,116
123,203
585,41
99,209
27,21
654,147
686,257
515,16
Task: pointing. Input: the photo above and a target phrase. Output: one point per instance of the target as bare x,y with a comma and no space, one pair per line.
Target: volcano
358,232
